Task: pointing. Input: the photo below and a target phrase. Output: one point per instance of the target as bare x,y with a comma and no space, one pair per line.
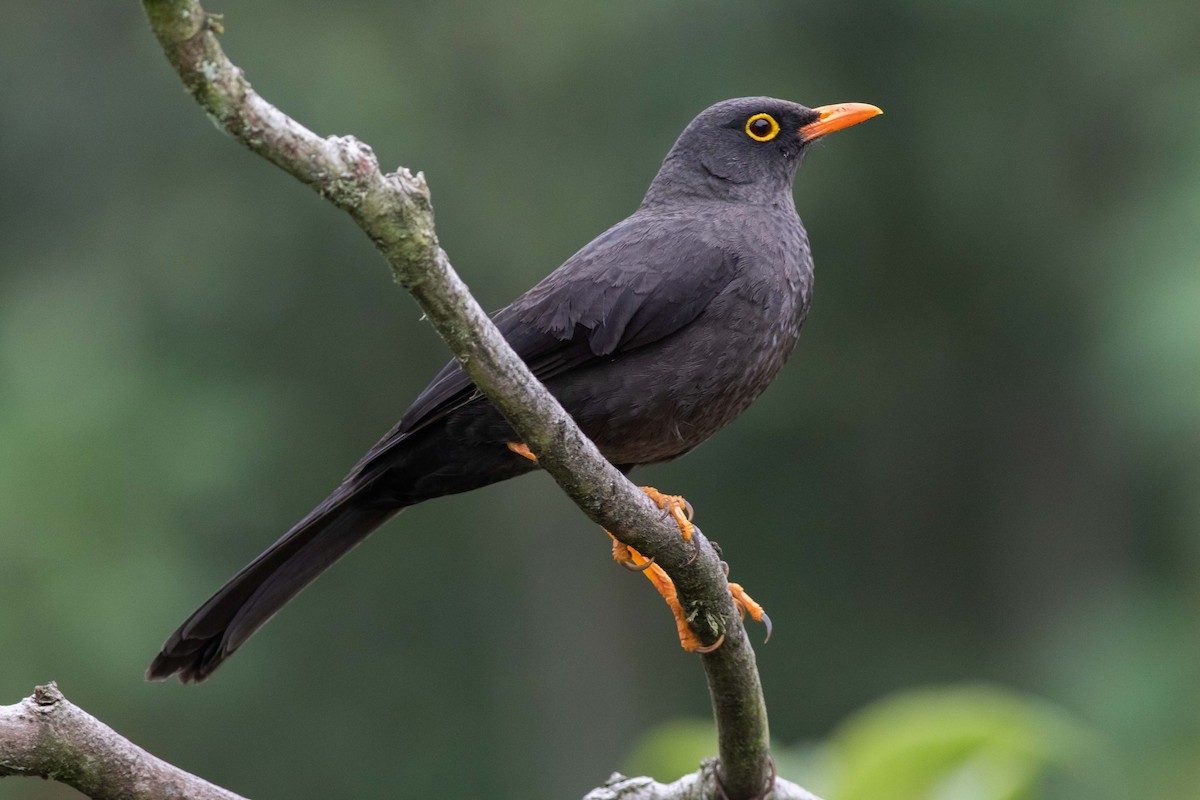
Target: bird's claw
629,558
633,566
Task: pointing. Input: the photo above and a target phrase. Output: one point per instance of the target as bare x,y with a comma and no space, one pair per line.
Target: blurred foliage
968,743
982,464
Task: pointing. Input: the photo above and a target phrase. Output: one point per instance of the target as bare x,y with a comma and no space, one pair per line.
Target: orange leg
631,559
625,555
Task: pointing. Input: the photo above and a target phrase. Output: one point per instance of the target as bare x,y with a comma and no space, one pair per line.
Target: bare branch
46,736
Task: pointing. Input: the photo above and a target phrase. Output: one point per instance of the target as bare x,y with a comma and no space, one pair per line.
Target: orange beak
835,117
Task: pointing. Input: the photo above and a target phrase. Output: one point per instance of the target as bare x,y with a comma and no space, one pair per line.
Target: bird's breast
657,402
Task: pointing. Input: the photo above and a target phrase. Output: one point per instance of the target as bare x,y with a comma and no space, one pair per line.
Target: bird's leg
634,561
631,559
521,449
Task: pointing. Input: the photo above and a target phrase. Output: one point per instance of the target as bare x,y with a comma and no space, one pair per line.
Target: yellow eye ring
762,128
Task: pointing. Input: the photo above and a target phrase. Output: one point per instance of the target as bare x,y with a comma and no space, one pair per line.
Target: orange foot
631,559
746,605
674,505
521,449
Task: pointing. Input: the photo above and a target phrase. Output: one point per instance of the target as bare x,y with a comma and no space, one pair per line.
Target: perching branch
46,736
394,210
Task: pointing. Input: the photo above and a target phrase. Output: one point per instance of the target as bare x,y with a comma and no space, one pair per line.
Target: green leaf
969,743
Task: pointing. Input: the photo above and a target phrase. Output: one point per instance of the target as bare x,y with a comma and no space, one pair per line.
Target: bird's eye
762,128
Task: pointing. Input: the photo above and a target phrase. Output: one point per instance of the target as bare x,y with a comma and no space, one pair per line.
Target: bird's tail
250,598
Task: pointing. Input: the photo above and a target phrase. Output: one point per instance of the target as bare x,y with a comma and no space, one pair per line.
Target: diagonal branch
394,210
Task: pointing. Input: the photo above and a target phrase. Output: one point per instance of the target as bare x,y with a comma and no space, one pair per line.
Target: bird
653,336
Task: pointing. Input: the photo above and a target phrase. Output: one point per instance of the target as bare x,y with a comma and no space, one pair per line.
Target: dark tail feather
250,598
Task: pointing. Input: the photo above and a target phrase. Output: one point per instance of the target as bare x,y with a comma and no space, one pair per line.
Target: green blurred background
971,503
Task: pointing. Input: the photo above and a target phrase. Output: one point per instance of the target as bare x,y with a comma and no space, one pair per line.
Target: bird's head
748,147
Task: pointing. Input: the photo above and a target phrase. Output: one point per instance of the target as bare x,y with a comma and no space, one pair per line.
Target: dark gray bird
654,336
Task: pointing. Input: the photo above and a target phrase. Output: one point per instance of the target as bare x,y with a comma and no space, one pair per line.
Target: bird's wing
633,285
